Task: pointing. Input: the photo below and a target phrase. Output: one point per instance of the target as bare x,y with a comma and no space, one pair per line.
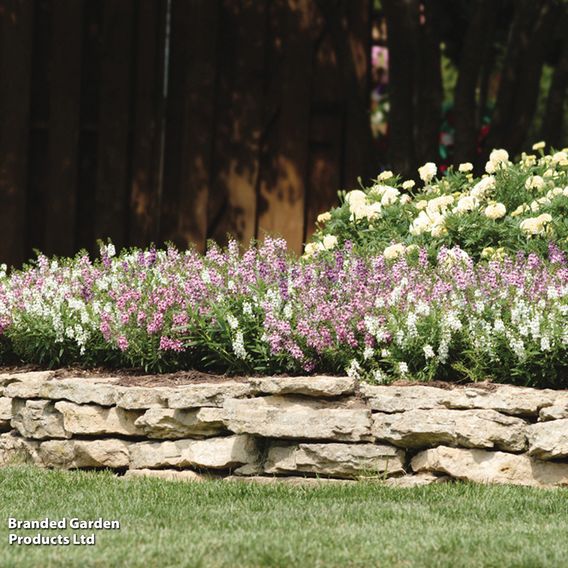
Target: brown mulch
137,377
485,385
129,377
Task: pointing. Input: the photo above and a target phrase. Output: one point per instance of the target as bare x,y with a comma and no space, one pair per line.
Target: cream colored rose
310,249
467,203
427,171
394,251
495,211
499,156
408,184
465,167
538,145
536,225
329,242
356,196
534,182
390,196
483,186
385,175
439,230
324,217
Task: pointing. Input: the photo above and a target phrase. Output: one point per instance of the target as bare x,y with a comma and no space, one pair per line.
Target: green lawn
236,524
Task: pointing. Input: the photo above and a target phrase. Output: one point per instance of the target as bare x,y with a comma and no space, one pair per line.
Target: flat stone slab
93,420
318,386
142,398
80,390
548,440
482,466
335,460
507,399
557,411
296,417
5,409
466,428
216,453
17,450
208,394
170,423
72,454
37,419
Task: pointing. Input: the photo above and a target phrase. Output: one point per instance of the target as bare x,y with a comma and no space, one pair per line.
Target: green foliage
514,207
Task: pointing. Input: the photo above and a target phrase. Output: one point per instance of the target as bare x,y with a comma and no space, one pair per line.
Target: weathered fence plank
111,198
285,161
242,64
64,114
16,18
155,120
148,107
190,121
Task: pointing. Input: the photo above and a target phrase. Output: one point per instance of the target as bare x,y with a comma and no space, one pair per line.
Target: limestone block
484,466
72,454
91,420
37,419
81,390
5,413
169,423
139,398
320,386
215,453
507,399
297,417
467,428
335,460
207,394
548,440
16,450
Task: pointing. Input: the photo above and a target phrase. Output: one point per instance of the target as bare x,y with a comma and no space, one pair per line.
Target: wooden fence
183,120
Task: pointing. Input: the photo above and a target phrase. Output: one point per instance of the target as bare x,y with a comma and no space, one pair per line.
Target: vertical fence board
65,90
358,161
326,134
190,121
88,135
239,120
285,154
37,158
147,125
16,17
114,121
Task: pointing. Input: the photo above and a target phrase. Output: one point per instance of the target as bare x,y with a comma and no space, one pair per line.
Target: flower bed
379,294
265,312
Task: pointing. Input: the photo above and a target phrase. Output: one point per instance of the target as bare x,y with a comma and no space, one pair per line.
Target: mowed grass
236,524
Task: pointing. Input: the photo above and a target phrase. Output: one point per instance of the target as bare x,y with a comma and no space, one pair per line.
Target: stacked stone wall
294,429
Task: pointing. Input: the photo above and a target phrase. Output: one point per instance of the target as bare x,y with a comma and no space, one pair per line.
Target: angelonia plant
463,280
519,206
